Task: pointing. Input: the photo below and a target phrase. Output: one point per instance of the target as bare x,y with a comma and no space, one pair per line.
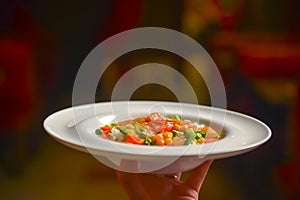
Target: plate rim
229,152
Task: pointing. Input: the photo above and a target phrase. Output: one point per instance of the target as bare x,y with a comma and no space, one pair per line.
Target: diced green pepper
153,140
175,133
148,141
124,131
218,136
113,124
200,134
176,117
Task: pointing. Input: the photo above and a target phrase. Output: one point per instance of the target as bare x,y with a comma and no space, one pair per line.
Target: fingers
130,180
196,178
130,166
131,184
174,176
143,186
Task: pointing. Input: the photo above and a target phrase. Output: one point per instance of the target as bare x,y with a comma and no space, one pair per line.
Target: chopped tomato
104,135
208,140
156,125
156,116
211,133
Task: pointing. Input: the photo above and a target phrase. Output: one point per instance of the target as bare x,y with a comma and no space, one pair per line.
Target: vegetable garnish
156,129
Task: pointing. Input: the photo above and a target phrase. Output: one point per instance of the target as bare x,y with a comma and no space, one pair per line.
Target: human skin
167,187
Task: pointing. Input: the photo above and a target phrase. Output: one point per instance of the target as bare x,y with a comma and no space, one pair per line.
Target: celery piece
190,135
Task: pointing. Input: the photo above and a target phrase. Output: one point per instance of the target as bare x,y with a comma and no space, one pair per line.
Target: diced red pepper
147,119
105,128
132,140
167,127
139,120
105,131
204,129
174,121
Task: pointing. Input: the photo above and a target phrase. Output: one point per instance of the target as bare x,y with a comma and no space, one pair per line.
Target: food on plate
157,129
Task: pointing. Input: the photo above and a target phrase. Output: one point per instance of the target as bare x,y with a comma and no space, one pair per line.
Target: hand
155,187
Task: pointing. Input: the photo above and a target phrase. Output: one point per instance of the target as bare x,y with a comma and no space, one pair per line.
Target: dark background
255,45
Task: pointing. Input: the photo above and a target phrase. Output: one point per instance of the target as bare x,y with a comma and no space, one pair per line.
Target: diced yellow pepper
177,127
169,135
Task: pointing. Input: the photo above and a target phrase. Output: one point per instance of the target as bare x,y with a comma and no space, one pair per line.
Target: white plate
75,126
